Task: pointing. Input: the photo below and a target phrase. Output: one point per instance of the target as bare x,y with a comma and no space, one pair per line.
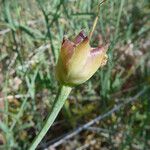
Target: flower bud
78,61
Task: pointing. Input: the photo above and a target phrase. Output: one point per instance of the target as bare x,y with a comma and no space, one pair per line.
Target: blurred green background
31,32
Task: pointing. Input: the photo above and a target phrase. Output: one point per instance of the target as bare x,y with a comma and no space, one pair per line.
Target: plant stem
96,19
58,104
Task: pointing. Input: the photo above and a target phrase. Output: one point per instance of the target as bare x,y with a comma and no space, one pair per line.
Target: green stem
58,104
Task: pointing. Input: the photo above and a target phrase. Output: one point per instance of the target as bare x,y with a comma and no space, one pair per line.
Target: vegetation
31,34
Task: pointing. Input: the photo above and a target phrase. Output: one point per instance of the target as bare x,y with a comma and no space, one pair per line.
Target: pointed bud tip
99,49
80,37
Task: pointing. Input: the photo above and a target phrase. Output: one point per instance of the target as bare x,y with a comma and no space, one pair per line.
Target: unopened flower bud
78,61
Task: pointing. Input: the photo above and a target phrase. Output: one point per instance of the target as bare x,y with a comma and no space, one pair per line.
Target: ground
31,34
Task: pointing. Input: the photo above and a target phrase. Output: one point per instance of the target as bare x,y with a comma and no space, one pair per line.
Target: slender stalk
96,19
58,104
93,27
